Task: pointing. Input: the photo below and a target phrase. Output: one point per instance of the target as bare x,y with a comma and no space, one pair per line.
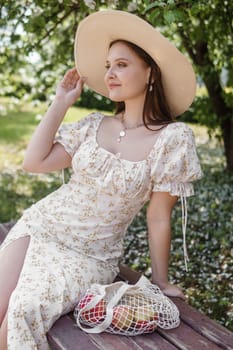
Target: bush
201,112
20,190
92,100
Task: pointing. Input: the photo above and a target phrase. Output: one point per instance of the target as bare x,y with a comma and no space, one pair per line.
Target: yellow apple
123,317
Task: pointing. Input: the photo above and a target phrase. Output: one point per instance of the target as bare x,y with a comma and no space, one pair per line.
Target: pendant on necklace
121,134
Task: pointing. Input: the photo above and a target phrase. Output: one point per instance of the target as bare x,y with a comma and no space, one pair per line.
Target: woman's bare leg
3,334
11,263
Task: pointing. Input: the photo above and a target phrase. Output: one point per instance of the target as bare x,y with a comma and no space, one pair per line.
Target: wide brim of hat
98,30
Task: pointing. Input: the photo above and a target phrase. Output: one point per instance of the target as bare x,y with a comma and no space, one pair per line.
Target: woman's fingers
174,291
80,82
70,79
70,88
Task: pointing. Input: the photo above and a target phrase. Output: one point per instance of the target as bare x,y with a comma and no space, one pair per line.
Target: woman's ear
150,80
150,76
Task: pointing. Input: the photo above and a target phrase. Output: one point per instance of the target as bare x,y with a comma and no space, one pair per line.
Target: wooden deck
196,331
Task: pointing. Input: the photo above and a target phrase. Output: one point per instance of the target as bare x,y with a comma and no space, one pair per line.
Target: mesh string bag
120,308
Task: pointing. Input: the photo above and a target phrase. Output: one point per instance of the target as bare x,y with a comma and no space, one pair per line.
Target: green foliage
19,191
93,100
47,30
38,37
203,28
201,112
18,127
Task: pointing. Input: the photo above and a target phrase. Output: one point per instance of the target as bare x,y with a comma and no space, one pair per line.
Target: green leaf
171,16
195,9
150,7
154,4
154,16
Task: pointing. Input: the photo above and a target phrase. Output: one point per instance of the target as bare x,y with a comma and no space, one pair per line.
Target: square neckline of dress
117,155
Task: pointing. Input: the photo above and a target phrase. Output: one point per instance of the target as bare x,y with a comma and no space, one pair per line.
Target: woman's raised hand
42,154
70,88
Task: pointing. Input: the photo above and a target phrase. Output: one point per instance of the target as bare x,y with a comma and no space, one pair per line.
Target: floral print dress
76,233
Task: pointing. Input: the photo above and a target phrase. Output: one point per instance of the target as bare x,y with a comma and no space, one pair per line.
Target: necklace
122,133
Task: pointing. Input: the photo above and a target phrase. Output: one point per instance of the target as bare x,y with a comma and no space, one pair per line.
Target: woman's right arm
159,214
42,154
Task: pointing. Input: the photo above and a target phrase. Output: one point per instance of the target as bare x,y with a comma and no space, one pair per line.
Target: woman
73,237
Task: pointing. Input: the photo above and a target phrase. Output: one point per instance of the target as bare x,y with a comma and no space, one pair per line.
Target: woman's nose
110,73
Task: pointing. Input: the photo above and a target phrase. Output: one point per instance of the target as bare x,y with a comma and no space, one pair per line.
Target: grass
210,222
17,126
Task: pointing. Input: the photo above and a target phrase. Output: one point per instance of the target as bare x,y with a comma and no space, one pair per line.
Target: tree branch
52,29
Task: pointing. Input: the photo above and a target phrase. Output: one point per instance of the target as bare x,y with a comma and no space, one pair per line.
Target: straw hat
98,30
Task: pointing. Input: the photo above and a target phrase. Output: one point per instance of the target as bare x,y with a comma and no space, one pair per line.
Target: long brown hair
156,110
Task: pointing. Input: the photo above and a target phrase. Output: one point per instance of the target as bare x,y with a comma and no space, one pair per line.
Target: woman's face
126,75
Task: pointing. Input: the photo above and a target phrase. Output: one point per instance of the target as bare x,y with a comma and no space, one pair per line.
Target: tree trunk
224,114
200,56
227,130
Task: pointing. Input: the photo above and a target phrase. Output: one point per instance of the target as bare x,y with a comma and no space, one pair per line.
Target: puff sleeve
71,135
176,165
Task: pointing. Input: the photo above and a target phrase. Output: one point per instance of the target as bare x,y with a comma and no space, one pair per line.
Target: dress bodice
105,192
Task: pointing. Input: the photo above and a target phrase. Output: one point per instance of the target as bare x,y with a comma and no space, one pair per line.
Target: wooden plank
64,335
153,342
205,326
128,275
4,229
107,341
185,338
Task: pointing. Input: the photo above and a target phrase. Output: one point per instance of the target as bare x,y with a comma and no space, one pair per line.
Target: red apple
95,314
85,300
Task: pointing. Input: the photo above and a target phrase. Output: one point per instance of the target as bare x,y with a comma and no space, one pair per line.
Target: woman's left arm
159,234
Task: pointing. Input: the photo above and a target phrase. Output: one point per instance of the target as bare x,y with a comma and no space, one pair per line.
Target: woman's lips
112,86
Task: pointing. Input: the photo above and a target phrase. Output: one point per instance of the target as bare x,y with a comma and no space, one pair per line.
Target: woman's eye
121,64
